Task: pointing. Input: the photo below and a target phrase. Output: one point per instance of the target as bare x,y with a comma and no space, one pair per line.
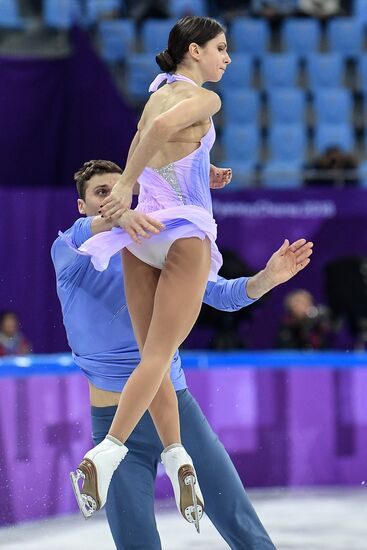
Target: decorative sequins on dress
177,195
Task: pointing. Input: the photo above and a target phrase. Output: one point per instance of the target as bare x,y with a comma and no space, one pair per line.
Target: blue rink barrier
286,419
62,363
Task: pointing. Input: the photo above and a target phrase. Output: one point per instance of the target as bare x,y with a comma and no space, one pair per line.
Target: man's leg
226,502
130,501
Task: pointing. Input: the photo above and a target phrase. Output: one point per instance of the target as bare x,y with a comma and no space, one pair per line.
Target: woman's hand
118,201
219,177
138,224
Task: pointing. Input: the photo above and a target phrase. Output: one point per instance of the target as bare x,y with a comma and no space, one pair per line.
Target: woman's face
214,58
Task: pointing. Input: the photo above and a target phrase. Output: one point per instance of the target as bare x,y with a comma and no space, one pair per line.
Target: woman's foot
180,470
96,470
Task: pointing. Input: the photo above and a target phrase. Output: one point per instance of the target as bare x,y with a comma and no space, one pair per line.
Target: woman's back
186,140
179,173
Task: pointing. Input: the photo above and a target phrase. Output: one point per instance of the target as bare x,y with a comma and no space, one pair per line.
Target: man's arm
228,294
285,263
64,251
84,228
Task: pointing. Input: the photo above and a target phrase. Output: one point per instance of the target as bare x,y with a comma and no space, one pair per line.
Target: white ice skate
96,470
180,470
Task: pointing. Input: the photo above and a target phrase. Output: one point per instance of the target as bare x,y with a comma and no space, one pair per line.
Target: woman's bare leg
139,282
164,412
140,286
177,304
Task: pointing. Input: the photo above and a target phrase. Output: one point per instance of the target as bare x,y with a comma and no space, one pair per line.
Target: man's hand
288,260
284,264
219,177
138,224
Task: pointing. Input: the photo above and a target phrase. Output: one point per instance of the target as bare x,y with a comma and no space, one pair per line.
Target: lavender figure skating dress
178,195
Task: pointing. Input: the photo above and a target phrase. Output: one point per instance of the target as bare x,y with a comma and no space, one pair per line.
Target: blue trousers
130,503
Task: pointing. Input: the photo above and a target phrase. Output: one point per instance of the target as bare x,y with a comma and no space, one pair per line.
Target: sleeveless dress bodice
183,182
177,194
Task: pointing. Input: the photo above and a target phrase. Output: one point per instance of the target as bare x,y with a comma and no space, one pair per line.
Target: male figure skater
101,337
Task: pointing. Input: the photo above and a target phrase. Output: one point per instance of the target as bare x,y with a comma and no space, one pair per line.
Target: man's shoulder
62,239
75,234
64,250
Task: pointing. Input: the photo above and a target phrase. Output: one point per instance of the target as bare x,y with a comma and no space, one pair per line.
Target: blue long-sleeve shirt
96,317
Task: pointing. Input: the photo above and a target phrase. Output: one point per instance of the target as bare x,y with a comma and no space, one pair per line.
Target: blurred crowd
313,8
334,167
142,9
304,323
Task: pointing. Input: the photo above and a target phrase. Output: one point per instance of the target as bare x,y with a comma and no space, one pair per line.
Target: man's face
97,189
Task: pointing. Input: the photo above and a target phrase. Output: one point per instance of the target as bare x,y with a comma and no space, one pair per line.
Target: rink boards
287,419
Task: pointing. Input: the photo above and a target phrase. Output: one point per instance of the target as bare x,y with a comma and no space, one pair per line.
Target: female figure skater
165,276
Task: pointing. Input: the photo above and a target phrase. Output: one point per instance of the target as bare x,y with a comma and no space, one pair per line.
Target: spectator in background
147,9
320,8
334,167
305,325
31,8
273,8
12,341
229,9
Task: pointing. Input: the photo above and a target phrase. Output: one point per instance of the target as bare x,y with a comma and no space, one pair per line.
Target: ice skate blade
196,509
87,504
191,507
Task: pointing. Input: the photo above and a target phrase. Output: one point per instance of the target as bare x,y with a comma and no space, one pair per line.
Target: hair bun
165,61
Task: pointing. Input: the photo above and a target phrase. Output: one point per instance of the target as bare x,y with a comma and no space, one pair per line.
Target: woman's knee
159,363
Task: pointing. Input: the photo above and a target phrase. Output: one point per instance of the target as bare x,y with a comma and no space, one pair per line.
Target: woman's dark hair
187,30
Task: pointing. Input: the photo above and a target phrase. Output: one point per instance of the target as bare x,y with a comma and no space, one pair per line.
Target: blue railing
60,364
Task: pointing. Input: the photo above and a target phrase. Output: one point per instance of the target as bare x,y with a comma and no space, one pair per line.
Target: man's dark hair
90,169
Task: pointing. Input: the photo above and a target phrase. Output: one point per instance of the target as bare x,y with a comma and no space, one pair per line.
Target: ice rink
324,519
